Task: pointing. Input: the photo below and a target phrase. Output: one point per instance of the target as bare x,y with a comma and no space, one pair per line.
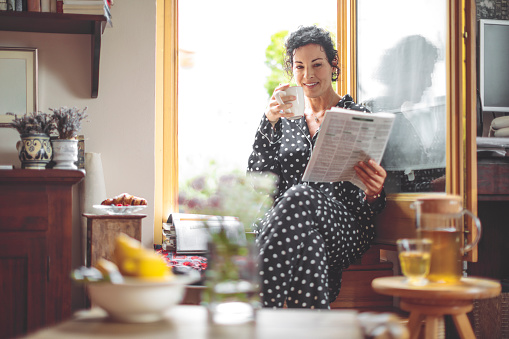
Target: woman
314,230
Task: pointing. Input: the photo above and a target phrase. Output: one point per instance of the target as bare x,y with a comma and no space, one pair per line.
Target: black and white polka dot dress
314,230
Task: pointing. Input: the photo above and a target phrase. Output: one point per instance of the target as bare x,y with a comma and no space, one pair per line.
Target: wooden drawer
493,180
16,200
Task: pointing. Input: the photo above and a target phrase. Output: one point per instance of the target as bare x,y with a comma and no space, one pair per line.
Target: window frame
166,126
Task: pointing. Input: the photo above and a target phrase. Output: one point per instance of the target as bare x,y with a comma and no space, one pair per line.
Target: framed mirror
18,82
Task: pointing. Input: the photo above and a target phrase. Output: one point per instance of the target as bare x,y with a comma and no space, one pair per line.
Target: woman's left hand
373,176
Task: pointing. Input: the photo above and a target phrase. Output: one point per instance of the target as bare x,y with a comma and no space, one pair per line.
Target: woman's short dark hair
306,35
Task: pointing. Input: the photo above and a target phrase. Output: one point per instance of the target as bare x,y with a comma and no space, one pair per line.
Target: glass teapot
441,218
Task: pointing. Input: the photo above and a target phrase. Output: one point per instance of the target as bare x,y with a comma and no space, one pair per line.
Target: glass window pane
223,72
401,69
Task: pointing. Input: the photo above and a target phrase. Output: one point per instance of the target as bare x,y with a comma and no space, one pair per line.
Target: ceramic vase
34,151
65,153
232,284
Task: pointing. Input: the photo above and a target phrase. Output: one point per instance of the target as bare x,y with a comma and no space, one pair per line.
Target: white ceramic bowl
138,301
114,210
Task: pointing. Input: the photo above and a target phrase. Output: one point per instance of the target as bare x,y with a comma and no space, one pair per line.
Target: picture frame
18,82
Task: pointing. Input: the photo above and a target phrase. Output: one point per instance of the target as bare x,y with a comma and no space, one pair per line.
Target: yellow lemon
133,259
126,250
152,266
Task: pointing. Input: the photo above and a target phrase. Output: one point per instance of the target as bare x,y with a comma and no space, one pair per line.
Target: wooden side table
432,301
102,231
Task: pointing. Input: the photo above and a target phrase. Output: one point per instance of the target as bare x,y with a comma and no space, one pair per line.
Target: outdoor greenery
274,55
237,194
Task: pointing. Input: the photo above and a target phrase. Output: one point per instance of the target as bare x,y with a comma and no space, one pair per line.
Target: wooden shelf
60,23
29,176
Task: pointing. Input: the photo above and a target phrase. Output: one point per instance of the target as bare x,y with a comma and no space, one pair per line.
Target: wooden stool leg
463,326
414,324
431,331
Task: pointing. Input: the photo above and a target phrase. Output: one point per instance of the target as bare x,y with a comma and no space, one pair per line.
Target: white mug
297,105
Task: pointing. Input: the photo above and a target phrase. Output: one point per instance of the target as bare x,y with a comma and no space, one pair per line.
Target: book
64,6
84,11
45,5
80,163
346,138
34,5
83,2
168,239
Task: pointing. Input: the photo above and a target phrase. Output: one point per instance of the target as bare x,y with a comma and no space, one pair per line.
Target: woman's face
312,71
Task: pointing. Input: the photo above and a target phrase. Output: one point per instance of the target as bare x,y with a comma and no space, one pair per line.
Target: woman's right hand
275,110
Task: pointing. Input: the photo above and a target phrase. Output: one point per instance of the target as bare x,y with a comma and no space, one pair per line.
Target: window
206,110
403,71
250,23
397,220
222,73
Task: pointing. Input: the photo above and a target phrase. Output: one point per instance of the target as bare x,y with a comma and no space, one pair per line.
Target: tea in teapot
441,219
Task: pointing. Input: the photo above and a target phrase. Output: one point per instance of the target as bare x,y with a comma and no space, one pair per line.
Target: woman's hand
373,176
275,110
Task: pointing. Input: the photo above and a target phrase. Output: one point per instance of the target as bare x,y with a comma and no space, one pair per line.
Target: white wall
121,120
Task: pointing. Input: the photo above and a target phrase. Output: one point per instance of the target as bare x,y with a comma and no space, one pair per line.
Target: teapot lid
444,203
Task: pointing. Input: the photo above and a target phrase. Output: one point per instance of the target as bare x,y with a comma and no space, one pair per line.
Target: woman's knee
301,190
298,196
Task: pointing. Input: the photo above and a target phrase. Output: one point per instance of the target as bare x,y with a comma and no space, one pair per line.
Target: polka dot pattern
314,230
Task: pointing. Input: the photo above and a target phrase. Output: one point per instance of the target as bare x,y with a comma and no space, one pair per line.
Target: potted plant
34,149
67,125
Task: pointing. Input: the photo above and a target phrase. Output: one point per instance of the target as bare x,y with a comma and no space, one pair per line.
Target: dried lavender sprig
33,122
68,121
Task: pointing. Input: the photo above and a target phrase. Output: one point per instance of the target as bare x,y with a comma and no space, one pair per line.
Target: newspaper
347,137
192,234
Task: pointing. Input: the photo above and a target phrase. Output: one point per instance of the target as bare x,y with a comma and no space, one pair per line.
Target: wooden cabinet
493,201
490,318
60,23
35,248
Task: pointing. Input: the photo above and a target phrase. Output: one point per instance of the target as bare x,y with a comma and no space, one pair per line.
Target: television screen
494,65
